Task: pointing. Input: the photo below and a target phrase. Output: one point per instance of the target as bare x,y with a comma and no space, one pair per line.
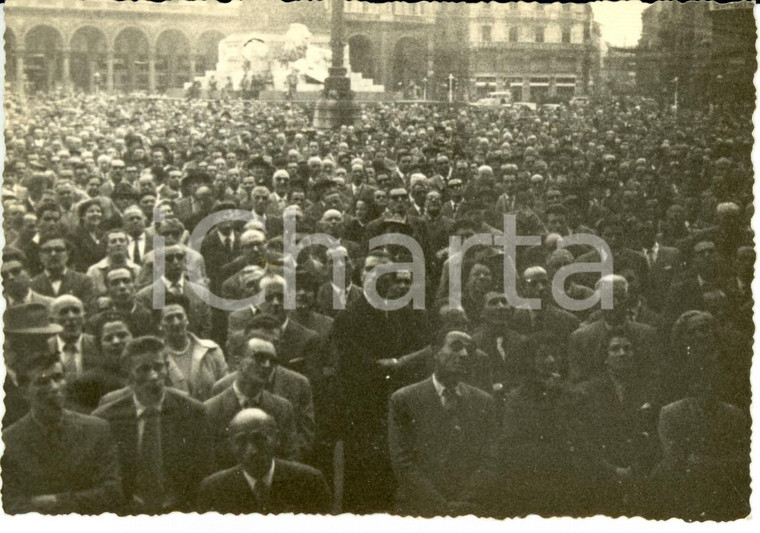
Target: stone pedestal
336,107
330,114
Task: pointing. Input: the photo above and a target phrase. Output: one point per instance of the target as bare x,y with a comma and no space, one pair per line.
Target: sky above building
620,21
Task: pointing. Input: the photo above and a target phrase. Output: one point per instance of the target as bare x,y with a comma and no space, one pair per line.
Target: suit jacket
90,352
588,349
662,272
622,259
88,252
98,271
298,348
324,302
34,298
185,444
140,321
193,263
437,460
224,406
509,366
296,488
554,320
413,368
82,471
199,314
704,473
295,388
216,255
73,282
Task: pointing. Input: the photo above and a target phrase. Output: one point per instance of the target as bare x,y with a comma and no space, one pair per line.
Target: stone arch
88,49
43,49
131,50
361,55
207,50
409,61
172,59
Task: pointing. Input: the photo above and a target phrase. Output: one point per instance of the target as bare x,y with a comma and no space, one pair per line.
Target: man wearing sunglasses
257,363
174,281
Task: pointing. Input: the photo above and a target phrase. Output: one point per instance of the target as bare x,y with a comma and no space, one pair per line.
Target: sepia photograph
413,259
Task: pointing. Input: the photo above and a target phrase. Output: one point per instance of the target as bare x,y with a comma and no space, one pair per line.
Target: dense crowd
459,402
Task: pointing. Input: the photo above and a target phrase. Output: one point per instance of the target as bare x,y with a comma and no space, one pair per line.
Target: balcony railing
505,45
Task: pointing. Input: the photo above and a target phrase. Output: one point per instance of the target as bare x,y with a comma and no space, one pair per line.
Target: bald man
77,350
261,483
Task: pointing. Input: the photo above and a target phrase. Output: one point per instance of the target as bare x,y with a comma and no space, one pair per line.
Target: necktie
261,491
136,251
175,289
150,469
70,359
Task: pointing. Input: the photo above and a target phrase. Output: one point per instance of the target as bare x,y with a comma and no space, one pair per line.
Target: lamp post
336,106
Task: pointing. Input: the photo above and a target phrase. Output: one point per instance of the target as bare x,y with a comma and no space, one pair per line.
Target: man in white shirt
139,244
77,350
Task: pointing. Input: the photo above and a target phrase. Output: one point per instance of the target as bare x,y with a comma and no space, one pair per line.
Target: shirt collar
169,284
439,388
267,479
142,408
242,398
61,343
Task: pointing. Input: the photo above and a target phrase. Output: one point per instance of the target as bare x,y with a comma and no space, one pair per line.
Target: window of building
540,34
513,34
485,34
566,7
539,7
513,5
566,35
586,33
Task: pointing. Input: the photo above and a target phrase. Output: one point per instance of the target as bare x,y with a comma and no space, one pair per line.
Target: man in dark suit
587,350
56,461
612,230
509,357
558,322
78,351
442,437
255,369
57,279
164,448
121,290
665,265
139,242
16,283
366,341
221,245
175,282
705,275
297,347
260,483
282,382
253,252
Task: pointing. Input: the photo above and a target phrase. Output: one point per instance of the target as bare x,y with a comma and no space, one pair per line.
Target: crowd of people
128,392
